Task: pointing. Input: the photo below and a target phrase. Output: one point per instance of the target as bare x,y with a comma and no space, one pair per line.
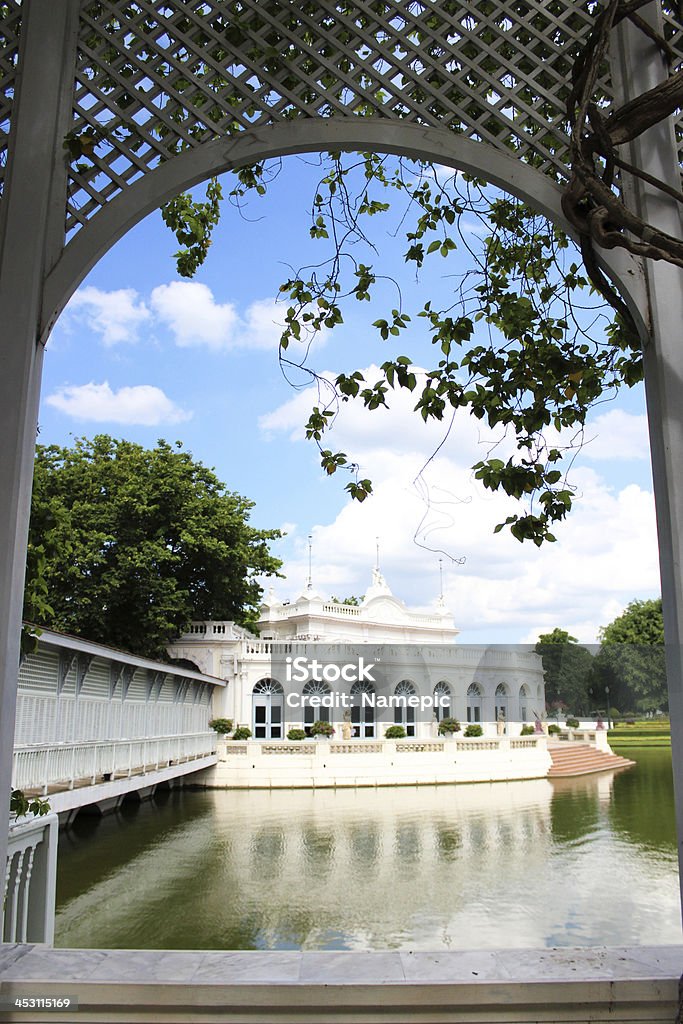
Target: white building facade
414,656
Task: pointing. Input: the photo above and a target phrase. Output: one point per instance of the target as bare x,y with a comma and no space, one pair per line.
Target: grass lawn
646,732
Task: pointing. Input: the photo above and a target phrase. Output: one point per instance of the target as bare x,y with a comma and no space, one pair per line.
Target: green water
585,861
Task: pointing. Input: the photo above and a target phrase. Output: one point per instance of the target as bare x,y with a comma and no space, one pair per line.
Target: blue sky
140,353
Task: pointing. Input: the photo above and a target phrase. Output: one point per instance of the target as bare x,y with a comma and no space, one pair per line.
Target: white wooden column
30,240
638,65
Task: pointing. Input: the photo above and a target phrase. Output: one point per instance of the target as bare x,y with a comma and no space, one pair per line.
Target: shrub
395,732
242,732
572,723
296,734
554,729
221,725
527,730
322,729
474,730
448,726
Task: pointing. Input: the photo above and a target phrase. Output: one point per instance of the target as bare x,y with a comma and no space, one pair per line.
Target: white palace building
414,655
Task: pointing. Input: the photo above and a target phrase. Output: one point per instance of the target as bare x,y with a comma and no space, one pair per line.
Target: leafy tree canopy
632,655
568,671
128,545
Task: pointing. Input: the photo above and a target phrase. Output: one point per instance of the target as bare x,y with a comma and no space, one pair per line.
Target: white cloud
117,315
617,435
606,552
192,314
142,405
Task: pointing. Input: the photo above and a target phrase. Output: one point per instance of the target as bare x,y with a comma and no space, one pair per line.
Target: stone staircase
570,759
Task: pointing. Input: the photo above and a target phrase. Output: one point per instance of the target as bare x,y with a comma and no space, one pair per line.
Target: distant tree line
625,672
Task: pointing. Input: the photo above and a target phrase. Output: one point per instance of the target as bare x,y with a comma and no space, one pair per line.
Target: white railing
30,880
323,748
39,767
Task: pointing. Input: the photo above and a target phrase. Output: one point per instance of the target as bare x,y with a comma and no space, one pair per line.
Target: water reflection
576,862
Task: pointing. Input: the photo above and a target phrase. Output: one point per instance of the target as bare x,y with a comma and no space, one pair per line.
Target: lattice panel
674,36
10,23
154,77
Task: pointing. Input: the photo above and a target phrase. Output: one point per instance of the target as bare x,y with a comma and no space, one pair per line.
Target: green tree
134,543
632,657
568,670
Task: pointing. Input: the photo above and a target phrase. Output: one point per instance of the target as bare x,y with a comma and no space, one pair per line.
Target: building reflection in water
523,864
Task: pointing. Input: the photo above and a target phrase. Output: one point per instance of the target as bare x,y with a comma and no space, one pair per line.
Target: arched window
267,700
403,714
501,704
443,703
312,712
363,710
474,696
524,695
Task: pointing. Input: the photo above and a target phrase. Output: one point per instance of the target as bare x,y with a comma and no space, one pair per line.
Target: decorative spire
377,554
309,583
441,581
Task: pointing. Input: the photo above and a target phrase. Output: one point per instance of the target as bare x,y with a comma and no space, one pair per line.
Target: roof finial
309,584
377,554
441,580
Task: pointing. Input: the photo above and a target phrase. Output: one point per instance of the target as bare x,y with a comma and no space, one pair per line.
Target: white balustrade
30,880
45,765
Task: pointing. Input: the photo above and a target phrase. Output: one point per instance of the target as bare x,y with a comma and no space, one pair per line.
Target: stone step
582,759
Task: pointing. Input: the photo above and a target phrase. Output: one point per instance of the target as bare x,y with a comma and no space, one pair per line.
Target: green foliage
632,657
192,223
242,732
448,726
321,728
527,730
473,729
20,804
136,543
353,601
568,670
511,351
554,729
572,723
296,734
395,732
221,725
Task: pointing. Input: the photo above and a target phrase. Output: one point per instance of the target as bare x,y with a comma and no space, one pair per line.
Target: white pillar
33,211
638,65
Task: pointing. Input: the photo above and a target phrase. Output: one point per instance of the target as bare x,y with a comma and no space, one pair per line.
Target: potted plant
554,729
572,723
395,732
527,730
242,732
474,730
296,734
322,730
449,726
221,725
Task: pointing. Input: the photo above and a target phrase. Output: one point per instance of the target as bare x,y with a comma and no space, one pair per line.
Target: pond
575,862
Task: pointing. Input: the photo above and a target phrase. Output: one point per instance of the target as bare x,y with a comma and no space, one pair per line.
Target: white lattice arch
253,145
172,91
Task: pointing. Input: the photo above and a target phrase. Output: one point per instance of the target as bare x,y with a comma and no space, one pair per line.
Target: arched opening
363,710
443,701
501,711
404,714
268,699
315,712
474,703
524,698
